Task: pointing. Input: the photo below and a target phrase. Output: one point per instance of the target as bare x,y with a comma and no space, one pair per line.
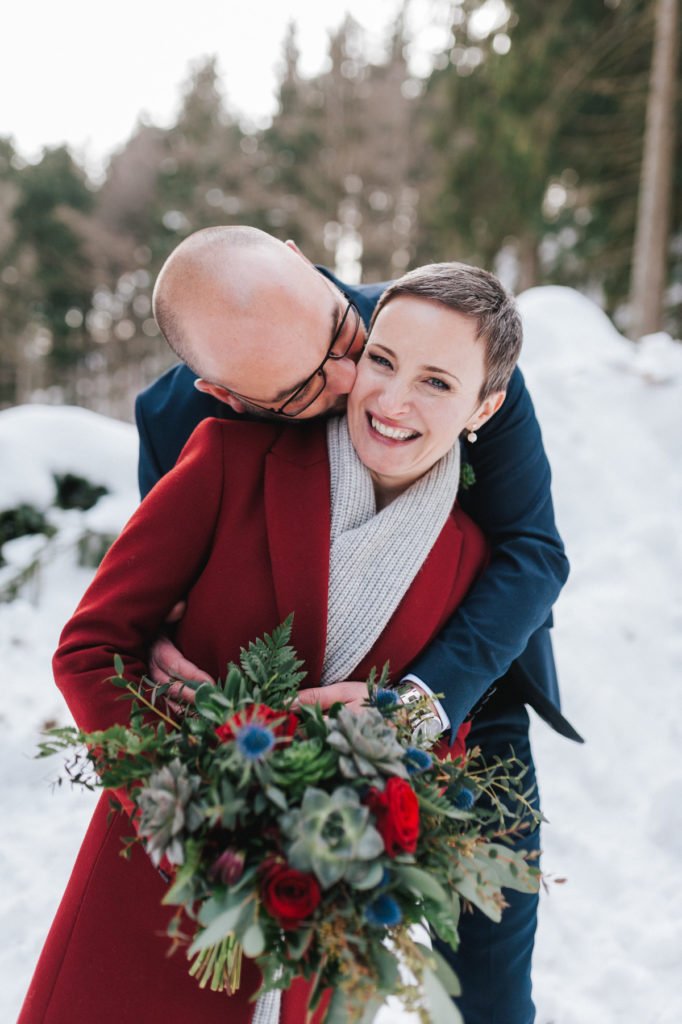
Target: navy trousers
493,961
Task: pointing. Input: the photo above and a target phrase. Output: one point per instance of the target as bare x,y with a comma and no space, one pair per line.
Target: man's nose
340,375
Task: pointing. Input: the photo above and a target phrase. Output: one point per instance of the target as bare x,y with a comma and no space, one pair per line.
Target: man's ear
290,244
219,392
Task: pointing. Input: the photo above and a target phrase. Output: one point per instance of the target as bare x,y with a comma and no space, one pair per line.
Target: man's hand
166,663
350,693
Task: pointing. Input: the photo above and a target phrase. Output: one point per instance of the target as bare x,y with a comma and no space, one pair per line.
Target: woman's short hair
477,294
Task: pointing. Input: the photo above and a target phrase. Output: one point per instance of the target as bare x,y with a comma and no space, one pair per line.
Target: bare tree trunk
653,212
527,252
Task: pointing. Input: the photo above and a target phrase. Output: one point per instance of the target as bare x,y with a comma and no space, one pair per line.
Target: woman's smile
390,433
416,389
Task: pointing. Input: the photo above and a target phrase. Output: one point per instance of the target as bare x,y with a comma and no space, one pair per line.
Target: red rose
287,722
289,895
397,815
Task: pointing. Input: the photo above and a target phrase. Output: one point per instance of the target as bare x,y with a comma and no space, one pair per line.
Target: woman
350,523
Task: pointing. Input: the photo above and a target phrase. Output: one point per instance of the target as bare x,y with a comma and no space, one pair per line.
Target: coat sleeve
511,501
149,468
153,564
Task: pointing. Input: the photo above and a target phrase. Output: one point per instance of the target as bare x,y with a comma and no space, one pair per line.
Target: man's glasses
313,386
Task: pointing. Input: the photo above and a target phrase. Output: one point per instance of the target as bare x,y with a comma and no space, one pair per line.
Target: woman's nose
393,399
340,375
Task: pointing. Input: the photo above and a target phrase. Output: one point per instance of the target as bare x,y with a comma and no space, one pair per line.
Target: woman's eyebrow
430,369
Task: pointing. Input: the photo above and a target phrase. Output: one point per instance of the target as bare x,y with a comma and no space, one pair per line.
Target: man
268,334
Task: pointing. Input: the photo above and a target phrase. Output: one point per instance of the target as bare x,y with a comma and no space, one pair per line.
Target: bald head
207,267
252,316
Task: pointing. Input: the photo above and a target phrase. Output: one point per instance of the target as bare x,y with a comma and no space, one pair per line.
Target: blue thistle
385,699
464,800
255,741
383,912
417,761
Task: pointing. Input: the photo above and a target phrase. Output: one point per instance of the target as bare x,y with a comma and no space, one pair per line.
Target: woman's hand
350,693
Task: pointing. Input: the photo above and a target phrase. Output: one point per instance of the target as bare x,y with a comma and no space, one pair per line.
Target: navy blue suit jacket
501,631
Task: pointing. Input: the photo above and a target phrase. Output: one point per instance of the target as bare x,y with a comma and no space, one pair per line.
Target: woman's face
416,390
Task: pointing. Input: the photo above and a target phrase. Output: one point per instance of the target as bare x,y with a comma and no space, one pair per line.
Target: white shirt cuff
442,713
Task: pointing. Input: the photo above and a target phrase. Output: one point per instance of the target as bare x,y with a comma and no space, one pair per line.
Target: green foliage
76,492
467,476
271,667
21,521
248,800
528,140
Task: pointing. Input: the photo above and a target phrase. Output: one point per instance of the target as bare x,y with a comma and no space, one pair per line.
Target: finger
325,696
313,695
179,692
176,612
167,663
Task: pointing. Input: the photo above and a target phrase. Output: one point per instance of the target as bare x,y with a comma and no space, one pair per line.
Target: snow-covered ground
610,941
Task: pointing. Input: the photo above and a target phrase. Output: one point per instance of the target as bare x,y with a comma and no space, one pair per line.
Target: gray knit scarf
374,556
373,559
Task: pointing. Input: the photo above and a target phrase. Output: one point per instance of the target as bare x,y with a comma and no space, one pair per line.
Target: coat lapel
297,510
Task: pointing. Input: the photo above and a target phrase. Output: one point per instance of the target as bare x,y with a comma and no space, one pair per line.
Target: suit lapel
297,509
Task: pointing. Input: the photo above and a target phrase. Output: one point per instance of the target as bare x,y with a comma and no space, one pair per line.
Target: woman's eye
380,360
438,384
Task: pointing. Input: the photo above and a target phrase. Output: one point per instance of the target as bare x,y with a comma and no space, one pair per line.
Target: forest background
541,145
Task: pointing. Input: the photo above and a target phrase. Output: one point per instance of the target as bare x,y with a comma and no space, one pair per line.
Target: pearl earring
472,437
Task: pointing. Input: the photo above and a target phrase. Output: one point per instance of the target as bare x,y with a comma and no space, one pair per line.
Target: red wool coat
241,527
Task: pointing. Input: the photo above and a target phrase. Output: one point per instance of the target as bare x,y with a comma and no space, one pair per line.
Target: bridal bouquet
308,843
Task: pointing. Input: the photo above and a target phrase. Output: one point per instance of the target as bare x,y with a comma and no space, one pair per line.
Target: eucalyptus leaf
386,964
253,940
442,1009
477,886
372,1007
509,867
277,797
337,1011
443,970
421,882
219,928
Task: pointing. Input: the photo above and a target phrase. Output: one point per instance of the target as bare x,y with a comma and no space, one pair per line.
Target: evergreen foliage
524,142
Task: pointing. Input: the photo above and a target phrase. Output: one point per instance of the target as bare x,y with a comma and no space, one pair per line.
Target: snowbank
609,939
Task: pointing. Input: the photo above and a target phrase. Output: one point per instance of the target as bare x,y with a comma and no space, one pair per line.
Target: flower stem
148,704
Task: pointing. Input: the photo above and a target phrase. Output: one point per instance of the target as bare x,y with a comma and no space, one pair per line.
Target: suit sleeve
153,564
511,501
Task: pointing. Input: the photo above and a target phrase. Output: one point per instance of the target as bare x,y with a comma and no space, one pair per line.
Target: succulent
167,807
301,764
331,835
367,746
